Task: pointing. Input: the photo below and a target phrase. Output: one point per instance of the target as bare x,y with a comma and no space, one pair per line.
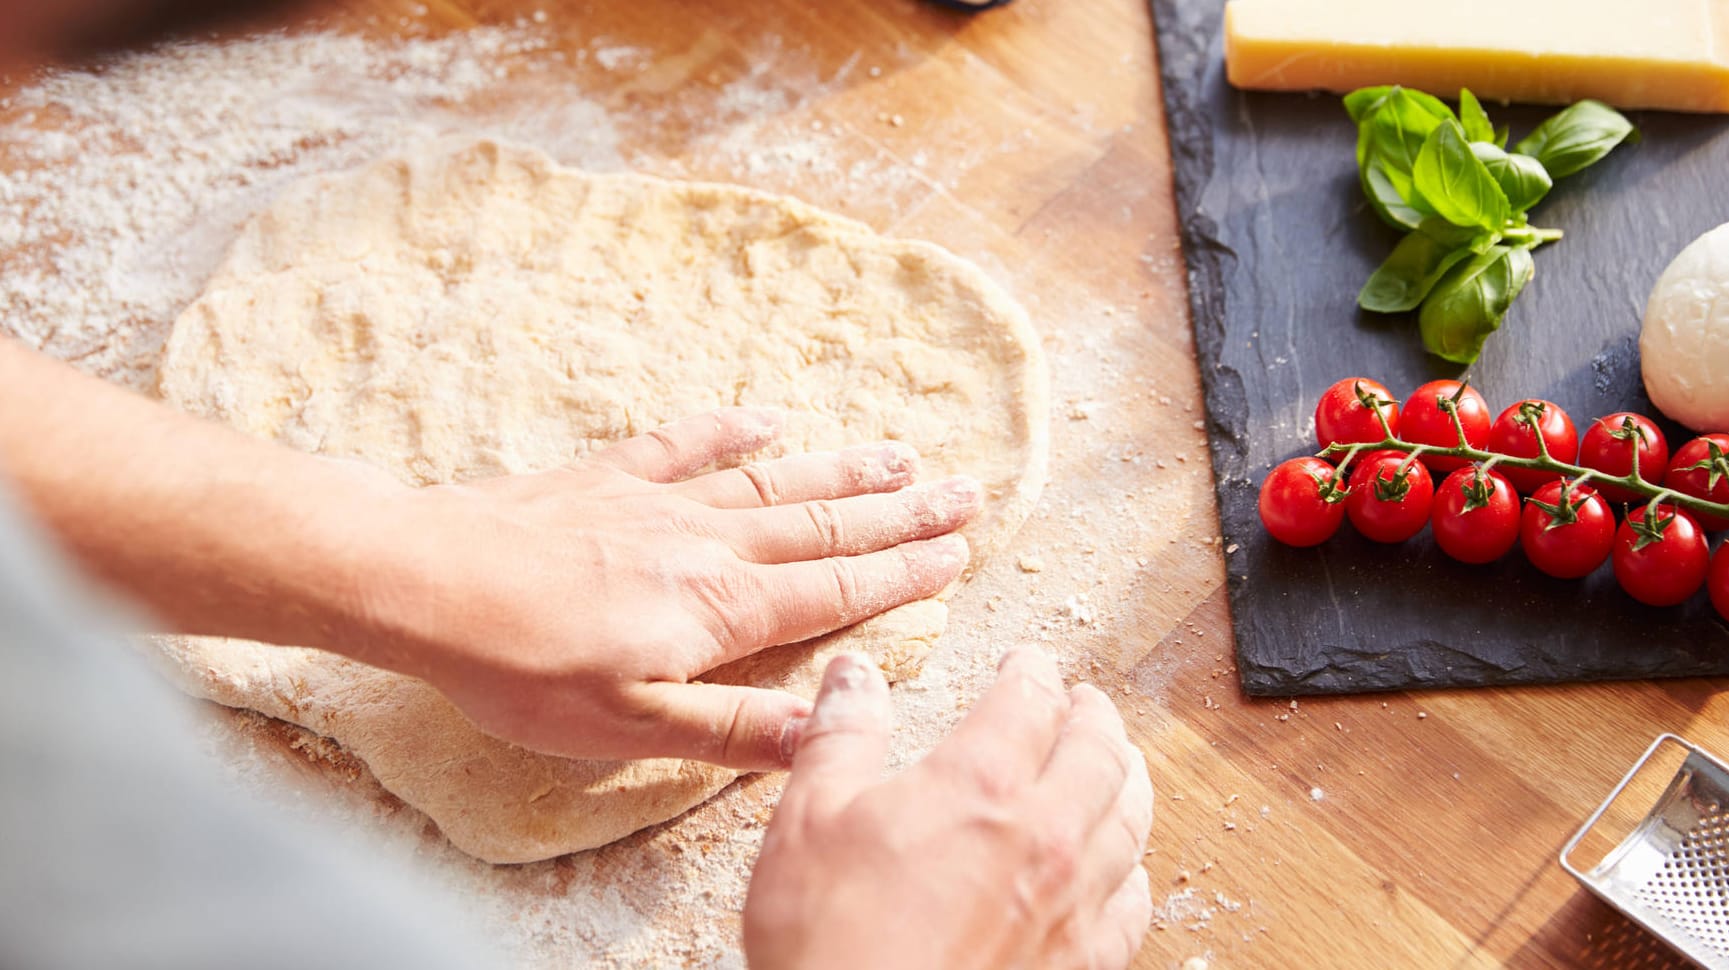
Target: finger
1102,937
1083,781
844,744
808,599
1123,923
1005,740
853,526
678,450
1118,841
740,727
804,478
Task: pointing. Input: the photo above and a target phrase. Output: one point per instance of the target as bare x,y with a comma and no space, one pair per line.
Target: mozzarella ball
1684,346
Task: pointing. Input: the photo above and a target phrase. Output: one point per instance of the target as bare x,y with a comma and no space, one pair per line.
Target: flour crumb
1316,794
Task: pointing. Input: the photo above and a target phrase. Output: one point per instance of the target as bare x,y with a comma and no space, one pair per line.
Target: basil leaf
1387,192
1389,139
1400,123
1501,135
1361,102
1521,177
1576,138
1456,184
1400,283
1470,301
1474,118
1454,237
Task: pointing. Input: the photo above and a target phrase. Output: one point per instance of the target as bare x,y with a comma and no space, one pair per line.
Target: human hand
568,611
1015,844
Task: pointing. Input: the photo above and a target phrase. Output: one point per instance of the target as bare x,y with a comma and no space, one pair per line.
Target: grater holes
1692,888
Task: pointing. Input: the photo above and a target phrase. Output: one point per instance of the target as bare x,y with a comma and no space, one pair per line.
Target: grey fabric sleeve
121,845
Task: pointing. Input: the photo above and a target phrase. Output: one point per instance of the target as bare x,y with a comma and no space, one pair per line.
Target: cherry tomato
1566,534
1717,581
1299,504
1660,557
1700,468
1343,414
1608,447
1424,422
1476,516
1511,435
1388,503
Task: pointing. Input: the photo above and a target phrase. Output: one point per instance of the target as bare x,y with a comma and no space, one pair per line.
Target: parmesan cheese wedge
1651,54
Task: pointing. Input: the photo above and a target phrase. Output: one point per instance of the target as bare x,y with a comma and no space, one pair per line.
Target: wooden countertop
1368,832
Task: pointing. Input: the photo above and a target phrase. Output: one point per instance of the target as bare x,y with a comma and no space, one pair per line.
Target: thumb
846,740
749,728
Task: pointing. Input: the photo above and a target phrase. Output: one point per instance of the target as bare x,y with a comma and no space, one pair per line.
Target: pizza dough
480,311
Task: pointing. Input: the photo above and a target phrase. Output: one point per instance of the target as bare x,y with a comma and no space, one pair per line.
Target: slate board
1278,240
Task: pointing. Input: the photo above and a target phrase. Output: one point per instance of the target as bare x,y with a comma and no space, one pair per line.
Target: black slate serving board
1278,240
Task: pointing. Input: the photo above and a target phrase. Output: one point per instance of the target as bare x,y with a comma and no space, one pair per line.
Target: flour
120,189
124,186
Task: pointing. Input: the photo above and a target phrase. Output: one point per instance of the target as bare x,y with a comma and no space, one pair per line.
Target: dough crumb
1315,794
1196,963
1030,563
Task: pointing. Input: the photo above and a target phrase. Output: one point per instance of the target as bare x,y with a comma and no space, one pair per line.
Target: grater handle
1579,836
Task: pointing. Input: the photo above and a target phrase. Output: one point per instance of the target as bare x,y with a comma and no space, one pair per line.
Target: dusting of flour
121,187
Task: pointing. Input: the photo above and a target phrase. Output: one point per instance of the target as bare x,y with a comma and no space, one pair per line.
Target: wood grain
1350,832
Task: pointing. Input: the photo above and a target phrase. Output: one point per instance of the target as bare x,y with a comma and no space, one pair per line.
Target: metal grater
1671,873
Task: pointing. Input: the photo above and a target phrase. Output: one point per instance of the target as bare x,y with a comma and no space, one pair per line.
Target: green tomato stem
1530,236
1632,482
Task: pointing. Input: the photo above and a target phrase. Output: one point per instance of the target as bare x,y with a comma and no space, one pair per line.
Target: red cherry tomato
1566,534
1700,468
1717,581
1423,421
1299,504
1660,557
1343,415
1511,435
1608,447
1389,501
1476,515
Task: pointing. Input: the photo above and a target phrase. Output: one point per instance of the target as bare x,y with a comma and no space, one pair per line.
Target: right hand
1015,844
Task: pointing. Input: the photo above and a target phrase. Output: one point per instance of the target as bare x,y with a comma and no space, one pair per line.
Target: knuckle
848,592
995,785
1055,857
762,480
826,523
723,592
666,441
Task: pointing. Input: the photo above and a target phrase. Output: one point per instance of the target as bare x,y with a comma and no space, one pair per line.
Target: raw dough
481,310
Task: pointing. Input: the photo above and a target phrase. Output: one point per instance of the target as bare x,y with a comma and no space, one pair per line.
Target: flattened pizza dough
481,311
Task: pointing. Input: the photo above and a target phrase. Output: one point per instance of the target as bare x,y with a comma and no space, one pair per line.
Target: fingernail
899,460
955,499
790,737
950,550
847,671
1013,652
765,423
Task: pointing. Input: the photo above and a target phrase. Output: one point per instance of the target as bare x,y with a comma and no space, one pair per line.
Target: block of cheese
1631,53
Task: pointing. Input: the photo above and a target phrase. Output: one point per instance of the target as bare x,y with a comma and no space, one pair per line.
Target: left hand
571,610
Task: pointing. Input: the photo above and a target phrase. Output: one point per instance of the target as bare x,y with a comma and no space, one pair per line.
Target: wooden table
1373,832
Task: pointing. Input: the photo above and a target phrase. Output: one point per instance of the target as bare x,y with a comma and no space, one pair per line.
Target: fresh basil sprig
1449,181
